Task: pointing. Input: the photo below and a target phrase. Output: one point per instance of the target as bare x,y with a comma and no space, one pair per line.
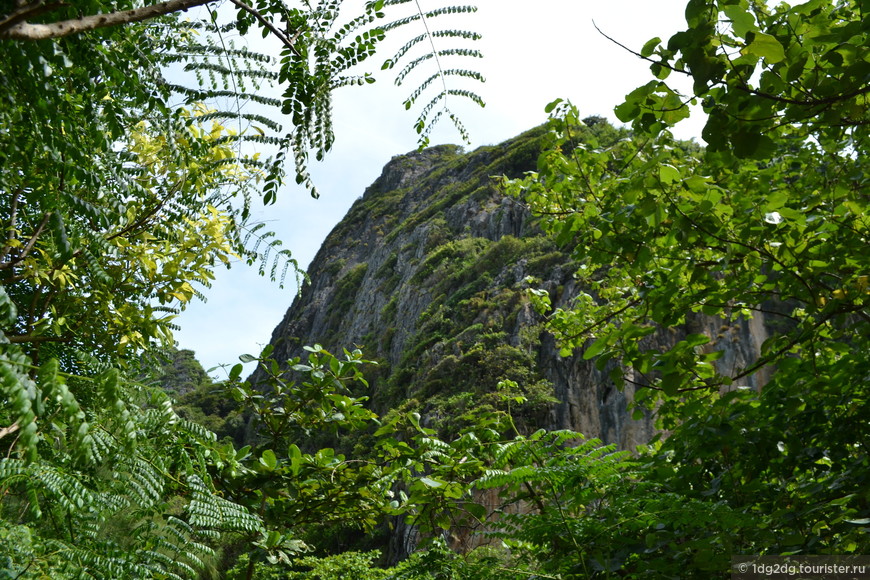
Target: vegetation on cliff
427,274
769,221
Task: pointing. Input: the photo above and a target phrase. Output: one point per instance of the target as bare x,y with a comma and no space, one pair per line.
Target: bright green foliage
117,489
768,222
114,207
438,105
120,193
298,487
294,488
140,199
401,469
129,207
356,565
762,73
437,561
134,206
592,511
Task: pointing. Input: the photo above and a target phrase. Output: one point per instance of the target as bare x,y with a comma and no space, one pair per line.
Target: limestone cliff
427,274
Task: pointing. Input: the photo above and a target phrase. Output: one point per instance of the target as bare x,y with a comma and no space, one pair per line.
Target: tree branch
288,42
608,317
28,31
4,431
34,339
25,11
13,25
10,235
27,247
639,55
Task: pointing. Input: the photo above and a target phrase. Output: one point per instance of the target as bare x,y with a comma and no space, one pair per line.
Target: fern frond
505,452
194,429
227,71
430,443
283,260
463,132
400,77
198,95
356,24
346,81
426,15
442,75
145,481
429,118
463,34
468,95
208,510
249,117
200,50
517,476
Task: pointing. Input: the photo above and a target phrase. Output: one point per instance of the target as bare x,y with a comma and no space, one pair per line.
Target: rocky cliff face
427,273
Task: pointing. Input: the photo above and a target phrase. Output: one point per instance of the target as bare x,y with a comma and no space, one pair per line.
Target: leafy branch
429,116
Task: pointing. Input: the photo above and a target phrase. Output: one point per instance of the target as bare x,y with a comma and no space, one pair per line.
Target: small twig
9,430
639,55
29,246
13,445
606,318
268,25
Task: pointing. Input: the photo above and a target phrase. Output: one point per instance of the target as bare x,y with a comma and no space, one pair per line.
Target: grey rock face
426,273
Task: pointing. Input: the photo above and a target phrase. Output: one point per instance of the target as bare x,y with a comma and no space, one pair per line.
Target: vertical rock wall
427,273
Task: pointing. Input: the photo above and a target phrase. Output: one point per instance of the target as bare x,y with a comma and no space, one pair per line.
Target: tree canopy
124,189
767,226
128,136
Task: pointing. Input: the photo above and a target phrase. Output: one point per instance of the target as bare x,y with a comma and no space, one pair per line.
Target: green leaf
429,482
477,510
697,184
694,340
650,46
751,144
765,46
626,111
776,200
268,460
669,174
552,105
742,21
671,383
596,348
295,456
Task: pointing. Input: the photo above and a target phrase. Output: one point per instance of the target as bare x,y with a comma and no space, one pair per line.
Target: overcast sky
534,52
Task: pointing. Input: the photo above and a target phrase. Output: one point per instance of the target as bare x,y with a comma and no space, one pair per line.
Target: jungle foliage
117,204
123,188
769,220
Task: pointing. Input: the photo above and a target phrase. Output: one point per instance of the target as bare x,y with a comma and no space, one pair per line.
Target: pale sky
531,57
